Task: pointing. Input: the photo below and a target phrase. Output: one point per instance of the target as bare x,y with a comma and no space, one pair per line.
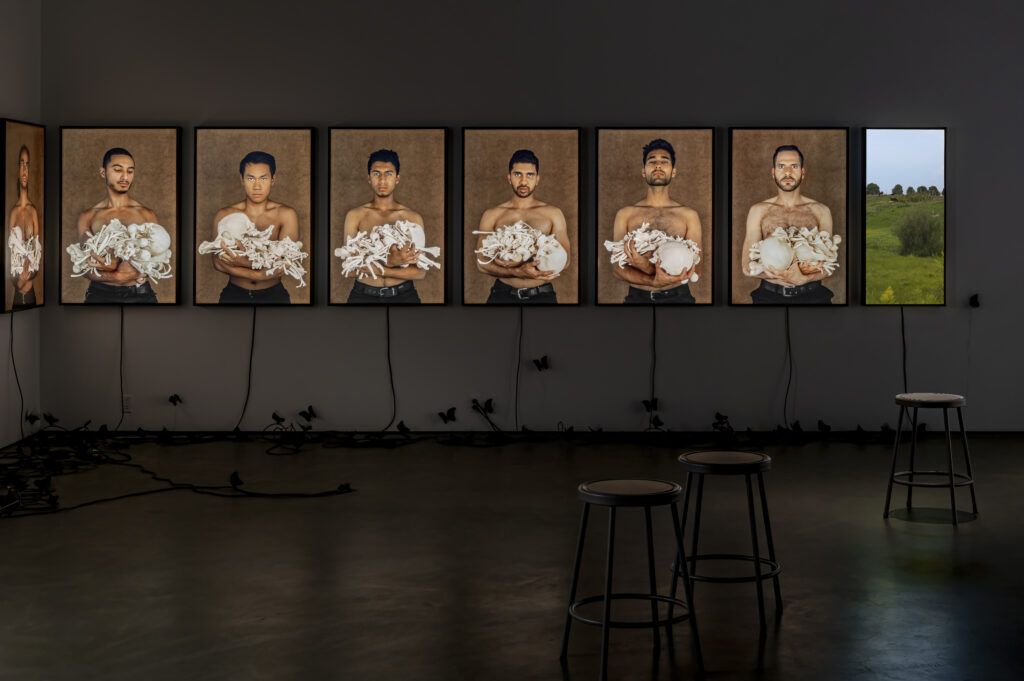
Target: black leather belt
526,293
384,291
790,291
673,292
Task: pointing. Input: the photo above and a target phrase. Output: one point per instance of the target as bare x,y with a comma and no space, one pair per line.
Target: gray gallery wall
589,64
19,99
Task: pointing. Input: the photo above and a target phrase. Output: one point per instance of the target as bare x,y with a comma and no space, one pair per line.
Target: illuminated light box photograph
253,216
120,226
788,204
654,216
23,145
521,203
904,216
387,216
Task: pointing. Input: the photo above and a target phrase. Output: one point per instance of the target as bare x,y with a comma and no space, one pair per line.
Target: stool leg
688,589
892,470
696,523
771,544
949,451
677,568
654,581
605,629
575,581
967,458
757,555
913,448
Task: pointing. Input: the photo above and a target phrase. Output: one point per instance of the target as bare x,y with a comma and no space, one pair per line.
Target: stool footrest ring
774,568
959,479
641,624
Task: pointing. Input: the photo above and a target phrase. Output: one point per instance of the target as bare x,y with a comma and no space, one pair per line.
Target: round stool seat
630,492
931,400
726,463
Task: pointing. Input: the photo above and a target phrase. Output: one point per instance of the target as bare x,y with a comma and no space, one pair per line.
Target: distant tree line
872,189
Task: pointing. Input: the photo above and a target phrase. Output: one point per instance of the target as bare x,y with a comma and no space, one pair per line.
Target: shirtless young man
522,283
26,218
246,286
648,283
799,284
395,284
117,282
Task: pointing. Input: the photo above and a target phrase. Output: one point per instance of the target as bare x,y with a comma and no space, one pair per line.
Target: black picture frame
470,223
201,200
37,159
709,249
68,225
735,254
445,242
867,294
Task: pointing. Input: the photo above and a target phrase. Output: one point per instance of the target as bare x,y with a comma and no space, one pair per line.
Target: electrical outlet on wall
126,404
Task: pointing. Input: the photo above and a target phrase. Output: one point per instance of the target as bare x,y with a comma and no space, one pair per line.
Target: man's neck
789,199
658,196
117,199
22,197
524,203
255,208
384,203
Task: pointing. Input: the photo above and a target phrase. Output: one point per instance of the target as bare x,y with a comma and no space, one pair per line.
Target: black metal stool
945,402
638,494
733,463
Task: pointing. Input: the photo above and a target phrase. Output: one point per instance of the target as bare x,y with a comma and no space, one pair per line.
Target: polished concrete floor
453,562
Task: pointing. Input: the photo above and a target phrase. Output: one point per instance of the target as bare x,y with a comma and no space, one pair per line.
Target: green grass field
892,278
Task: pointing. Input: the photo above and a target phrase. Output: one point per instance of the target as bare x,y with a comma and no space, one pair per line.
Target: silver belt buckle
521,294
789,291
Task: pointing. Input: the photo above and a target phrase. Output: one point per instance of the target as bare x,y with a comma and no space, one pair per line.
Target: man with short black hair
800,283
523,283
393,283
247,285
117,282
648,283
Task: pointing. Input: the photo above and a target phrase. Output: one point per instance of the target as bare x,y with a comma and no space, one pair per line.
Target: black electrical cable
120,369
789,379
17,381
903,337
391,375
248,385
654,363
519,364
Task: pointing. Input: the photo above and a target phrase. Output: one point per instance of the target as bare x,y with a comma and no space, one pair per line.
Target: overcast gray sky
906,157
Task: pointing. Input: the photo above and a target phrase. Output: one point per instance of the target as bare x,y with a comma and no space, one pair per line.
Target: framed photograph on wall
904,192
23,147
120,215
655,199
254,216
388,216
788,206
520,207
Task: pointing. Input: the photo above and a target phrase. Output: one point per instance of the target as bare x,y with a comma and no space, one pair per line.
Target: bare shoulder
86,217
761,207
286,211
148,213
626,212
815,205
357,213
686,212
551,211
413,216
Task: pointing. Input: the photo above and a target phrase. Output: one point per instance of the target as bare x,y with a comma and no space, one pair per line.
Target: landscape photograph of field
904,217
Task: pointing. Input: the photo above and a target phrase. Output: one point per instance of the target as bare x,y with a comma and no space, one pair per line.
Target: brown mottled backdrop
751,180
421,154
15,135
155,151
485,185
619,184
218,184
